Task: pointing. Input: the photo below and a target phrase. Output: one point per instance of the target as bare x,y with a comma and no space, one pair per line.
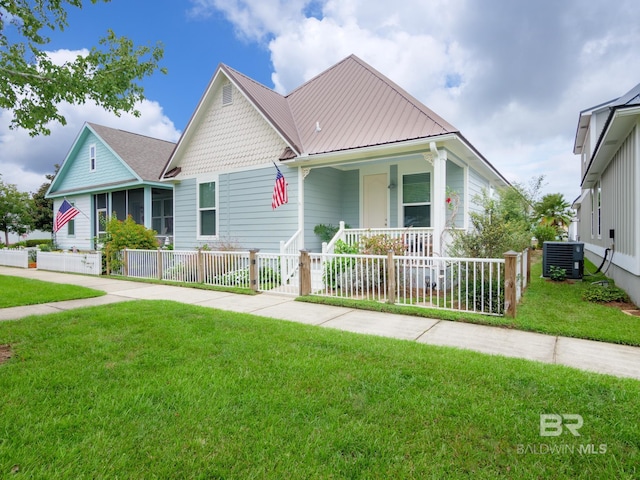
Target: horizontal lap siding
618,206
108,167
185,215
455,184
82,240
246,218
322,203
476,185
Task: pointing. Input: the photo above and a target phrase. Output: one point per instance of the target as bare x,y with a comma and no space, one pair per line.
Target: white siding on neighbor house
476,186
109,168
619,198
82,240
229,137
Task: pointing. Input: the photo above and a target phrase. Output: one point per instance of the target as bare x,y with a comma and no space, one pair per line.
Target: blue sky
511,75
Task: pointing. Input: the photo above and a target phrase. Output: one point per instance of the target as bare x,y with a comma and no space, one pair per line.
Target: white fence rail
68,262
463,284
10,257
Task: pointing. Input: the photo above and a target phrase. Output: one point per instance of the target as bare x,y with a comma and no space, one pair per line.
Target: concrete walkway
619,360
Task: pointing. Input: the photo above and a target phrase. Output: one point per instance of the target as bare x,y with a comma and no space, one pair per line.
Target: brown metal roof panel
355,103
272,105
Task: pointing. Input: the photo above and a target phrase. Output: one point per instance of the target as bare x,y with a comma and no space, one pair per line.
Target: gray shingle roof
145,155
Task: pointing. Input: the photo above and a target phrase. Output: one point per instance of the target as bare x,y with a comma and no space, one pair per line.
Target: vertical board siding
109,168
618,208
82,240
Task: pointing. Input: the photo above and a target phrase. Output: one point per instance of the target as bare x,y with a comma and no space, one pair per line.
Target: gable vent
227,94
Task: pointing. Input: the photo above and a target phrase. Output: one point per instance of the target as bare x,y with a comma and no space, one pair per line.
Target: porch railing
418,241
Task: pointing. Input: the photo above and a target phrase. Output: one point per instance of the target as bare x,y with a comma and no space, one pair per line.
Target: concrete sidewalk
619,360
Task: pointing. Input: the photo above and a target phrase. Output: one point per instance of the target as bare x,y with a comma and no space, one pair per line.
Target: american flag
279,190
65,213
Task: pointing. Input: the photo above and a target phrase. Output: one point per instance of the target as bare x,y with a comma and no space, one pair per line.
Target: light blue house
109,171
352,145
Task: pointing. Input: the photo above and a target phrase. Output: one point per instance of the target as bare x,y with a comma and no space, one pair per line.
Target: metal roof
350,105
145,155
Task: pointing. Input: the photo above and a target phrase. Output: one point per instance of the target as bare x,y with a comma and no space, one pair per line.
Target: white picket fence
463,284
69,262
10,257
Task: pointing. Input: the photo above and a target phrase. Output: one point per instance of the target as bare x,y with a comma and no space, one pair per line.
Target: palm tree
553,210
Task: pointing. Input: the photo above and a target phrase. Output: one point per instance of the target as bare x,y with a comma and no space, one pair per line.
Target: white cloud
25,161
512,76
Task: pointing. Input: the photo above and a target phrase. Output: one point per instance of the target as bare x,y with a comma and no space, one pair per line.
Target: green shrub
337,266
326,232
126,234
604,293
488,297
38,242
557,274
545,233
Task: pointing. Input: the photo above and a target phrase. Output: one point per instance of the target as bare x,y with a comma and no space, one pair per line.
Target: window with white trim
71,225
207,211
416,199
593,209
92,158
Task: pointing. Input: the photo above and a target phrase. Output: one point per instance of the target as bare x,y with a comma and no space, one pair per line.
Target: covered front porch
414,196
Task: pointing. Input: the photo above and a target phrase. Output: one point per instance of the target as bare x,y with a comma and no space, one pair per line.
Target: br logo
552,424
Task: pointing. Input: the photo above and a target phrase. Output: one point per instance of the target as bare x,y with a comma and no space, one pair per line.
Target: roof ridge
415,103
93,125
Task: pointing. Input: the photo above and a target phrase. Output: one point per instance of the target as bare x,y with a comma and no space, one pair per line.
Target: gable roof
145,155
348,106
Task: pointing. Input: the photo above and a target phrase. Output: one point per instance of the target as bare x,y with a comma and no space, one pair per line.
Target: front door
374,214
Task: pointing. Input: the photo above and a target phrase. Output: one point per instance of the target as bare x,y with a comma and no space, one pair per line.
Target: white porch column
438,197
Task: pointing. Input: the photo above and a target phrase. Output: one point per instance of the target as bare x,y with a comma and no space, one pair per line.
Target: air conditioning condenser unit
566,255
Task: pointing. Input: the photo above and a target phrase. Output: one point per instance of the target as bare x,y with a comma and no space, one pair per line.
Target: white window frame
418,204
199,235
599,193
92,157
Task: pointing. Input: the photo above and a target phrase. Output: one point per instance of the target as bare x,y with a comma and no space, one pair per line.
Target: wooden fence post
125,262
253,269
200,266
510,272
528,266
391,279
305,272
159,264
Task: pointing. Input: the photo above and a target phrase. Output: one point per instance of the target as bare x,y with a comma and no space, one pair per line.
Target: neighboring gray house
608,142
109,171
352,145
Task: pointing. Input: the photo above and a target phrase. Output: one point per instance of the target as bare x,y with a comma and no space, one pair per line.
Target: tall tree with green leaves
554,211
15,211
43,207
32,85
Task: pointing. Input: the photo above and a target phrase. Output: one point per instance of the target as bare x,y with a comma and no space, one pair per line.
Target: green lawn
546,307
18,291
156,389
